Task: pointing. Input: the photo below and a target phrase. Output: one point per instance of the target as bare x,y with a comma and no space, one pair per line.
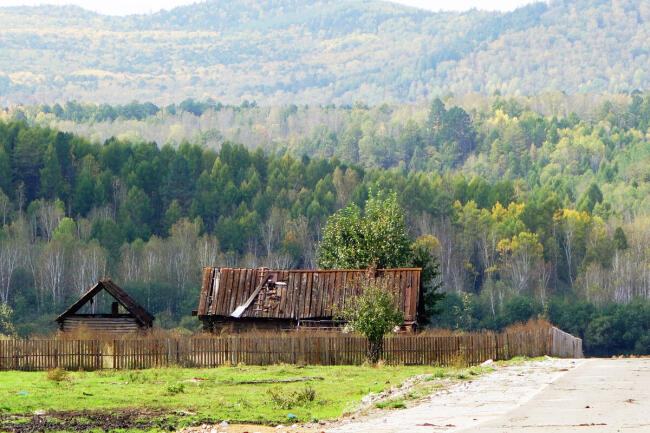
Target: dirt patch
81,421
78,421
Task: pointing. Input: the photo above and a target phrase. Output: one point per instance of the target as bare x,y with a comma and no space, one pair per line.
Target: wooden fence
295,348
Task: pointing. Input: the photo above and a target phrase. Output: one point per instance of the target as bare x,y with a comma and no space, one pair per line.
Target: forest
531,213
321,52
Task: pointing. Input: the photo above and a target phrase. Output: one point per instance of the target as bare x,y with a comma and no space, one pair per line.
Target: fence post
114,347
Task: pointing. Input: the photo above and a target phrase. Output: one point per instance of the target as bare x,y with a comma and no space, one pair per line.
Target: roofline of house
320,271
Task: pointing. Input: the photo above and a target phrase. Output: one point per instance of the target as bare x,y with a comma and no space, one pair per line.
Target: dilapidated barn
284,299
125,314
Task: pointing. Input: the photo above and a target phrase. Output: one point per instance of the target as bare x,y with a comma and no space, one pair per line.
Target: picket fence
292,348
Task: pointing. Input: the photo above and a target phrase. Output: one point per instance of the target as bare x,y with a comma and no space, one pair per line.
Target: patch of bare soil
78,421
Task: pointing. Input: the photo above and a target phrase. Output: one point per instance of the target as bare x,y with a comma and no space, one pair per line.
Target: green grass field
170,398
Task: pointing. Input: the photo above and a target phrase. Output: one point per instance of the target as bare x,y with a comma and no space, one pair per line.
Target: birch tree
521,258
89,264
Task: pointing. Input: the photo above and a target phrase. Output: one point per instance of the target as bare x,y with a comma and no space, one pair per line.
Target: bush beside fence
294,348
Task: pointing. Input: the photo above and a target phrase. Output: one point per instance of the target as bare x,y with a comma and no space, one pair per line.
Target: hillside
527,213
320,51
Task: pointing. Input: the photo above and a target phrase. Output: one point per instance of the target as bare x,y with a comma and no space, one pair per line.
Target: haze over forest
321,51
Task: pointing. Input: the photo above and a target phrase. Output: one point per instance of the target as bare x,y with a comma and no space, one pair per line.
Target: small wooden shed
243,299
125,315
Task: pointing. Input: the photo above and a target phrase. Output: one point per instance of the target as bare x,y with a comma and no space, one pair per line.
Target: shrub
284,400
174,389
57,375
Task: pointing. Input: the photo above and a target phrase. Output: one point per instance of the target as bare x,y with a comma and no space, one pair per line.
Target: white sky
125,7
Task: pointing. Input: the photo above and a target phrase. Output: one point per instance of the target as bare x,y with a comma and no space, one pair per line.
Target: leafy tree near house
376,237
425,255
373,314
6,325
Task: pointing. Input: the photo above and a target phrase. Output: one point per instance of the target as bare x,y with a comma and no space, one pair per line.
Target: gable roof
141,315
297,294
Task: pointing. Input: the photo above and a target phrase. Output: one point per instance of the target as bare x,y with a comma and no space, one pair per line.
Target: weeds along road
594,395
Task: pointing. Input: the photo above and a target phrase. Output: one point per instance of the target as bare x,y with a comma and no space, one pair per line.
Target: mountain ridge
321,51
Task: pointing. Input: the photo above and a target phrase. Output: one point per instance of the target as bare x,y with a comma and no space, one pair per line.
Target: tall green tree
377,237
425,252
51,178
590,198
28,159
5,171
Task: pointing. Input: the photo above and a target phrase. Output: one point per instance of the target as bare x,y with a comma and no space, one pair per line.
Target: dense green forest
321,52
532,214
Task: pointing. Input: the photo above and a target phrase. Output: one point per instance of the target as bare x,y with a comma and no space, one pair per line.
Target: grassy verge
170,398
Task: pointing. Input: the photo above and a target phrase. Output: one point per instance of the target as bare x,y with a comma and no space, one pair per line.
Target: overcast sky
125,7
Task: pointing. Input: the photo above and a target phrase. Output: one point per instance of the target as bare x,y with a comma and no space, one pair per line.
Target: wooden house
125,314
262,298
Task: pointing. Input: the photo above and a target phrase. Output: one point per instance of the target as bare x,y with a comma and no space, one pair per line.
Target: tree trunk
375,349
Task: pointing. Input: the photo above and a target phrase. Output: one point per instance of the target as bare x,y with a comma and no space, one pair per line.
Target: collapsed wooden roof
139,313
296,294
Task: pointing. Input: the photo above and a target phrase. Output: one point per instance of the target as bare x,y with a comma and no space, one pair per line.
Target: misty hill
320,51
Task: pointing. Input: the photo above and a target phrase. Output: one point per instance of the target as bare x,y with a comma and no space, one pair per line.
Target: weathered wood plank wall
304,294
294,348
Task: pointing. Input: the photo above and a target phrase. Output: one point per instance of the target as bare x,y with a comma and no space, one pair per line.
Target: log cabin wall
133,318
224,325
115,325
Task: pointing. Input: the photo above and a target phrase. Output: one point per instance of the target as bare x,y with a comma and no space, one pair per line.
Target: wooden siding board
103,324
322,292
294,294
338,293
206,289
344,291
285,295
405,295
398,282
228,300
300,296
328,294
236,288
217,284
316,290
251,282
409,294
244,284
309,294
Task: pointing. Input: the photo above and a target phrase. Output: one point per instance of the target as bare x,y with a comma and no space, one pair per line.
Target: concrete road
599,395
551,396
